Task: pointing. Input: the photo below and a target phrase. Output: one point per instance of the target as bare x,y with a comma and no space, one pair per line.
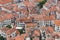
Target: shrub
9,26
40,4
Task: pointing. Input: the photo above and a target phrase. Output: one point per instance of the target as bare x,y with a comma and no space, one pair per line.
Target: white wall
7,22
13,34
58,15
0,32
3,34
56,28
1,24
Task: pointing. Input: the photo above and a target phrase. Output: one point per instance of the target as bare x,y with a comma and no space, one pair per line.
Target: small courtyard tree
40,4
8,26
1,38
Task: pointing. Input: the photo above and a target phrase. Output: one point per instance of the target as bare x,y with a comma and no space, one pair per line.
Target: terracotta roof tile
50,29
10,31
57,22
50,1
18,19
5,1
44,11
36,38
1,18
5,29
13,7
28,30
37,32
37,17
24,35
9,16
19,38
58,33
47,4
58,9
16,9
21,19
37,0
2,12
15,15
43,28
26,3
52,17
24,19
31,24
53,8
30,4
17,32
45,18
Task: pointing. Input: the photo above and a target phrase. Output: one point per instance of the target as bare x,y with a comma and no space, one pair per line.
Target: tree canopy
1,38
40,4
9,26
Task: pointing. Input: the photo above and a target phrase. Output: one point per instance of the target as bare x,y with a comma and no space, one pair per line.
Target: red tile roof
53,8
37,32
31,24
30,4
50,29
57,22
37,0
8,16
10,31
45,18
52,17
5,1
1,18
19,38
5,29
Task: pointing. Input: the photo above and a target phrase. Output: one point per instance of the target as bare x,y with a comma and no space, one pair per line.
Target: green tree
9,26
21,31
40,4
1,38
